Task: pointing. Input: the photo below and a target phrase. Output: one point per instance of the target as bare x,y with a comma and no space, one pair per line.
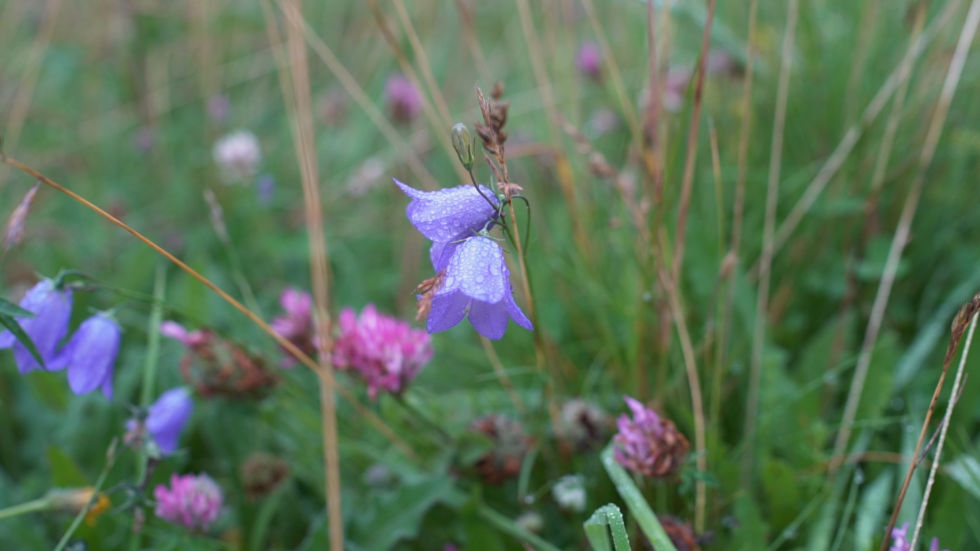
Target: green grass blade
637,505
598,534
11,324
8,308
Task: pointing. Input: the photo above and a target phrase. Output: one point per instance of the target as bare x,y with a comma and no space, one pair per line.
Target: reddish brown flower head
648,444
510,443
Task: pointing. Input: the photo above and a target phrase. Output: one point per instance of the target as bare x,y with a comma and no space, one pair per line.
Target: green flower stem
96,490
33,506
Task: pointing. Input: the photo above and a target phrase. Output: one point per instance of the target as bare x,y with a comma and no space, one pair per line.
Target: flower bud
463,144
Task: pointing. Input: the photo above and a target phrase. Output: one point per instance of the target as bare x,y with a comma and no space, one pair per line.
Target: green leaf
11,324
401,517
598,534
966,472
637,505
8,308
871,512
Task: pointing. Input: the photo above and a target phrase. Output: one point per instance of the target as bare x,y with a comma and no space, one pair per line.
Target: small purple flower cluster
89,355
472,276
901,543
385,351
404,99
193,501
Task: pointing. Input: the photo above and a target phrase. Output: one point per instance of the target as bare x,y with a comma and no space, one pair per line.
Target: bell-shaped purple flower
476,283
90,355
167,418
449,214
52,308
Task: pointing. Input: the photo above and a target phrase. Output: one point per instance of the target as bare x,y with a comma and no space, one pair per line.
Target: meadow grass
767,251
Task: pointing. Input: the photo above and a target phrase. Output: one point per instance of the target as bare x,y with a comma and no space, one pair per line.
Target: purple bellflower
90,355
52,308
476,284
450,214
167,418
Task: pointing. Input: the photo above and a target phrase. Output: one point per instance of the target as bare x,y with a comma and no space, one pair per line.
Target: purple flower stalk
90,355
404,99
385,351
193,501
589,60
899,543
166,419
51,308
476,284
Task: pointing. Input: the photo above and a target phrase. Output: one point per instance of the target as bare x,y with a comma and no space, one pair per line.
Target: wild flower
263,473
297,325
90,355
509,445
237,155
476,285
75,500
449,215
588,59
51,304
214,366
569,493
472,279
404,99
582,425
165,420
193,501
386,352
648,444
900,540
681,533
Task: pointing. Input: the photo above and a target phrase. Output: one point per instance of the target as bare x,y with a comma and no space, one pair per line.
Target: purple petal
515,312
167,418
48,327
92,353
489,320
7,339
447,310
479,267
440,255
448,214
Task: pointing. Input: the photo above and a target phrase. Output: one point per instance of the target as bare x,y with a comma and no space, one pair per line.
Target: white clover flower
569,493
238,155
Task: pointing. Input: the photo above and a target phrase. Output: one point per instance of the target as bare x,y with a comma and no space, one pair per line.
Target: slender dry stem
772,196
902,231
697,402
300,108
944,426
423,60
687,181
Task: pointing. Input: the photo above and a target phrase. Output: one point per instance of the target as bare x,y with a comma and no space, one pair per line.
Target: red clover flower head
648,444
297,325
476,285
90,355
193,501
404,99
51,307
386,352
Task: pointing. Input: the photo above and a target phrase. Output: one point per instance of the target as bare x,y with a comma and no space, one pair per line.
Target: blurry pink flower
385,351
589,60
675,84
177,332
237,154
297,325
193,501
218,107
404,99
